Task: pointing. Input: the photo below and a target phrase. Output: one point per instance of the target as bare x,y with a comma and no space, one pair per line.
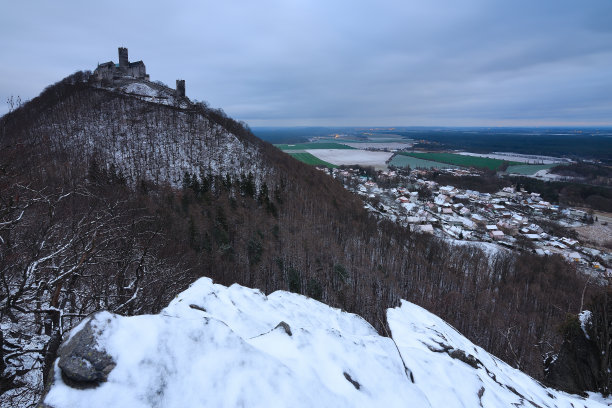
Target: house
408,207
479,219
448,190
441,199
520,220
496,234
575,256
507,227
491,227
469,224
532,237
426,228
415,220
534,229
557,244
569,241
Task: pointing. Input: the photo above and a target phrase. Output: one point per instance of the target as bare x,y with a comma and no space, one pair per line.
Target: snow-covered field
381,145
523,158
217,346
347,157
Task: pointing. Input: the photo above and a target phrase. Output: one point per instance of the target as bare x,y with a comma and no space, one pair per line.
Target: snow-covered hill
217,346
140,130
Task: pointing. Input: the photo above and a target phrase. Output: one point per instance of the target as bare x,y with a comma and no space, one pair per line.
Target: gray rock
284,326
83,365
576,368
468,359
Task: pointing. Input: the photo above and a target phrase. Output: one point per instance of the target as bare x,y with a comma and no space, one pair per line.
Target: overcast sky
335,62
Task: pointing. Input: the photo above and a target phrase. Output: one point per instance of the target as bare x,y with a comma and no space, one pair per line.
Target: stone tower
180,88
123,58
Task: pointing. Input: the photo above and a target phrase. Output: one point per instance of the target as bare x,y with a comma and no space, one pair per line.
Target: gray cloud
343,62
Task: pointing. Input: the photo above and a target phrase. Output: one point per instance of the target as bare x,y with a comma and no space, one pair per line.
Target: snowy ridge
217,346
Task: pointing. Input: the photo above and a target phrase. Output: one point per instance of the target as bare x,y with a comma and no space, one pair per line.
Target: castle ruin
125,71
110,71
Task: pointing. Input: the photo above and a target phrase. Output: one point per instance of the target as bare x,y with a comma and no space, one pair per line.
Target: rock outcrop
217,346
82,361
576,367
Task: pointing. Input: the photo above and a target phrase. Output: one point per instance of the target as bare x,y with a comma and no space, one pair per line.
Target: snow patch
585,320
140,89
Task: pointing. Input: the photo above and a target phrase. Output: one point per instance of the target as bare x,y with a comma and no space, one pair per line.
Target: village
502,221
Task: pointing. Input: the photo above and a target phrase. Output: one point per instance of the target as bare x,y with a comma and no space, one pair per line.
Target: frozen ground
348,157
379,145
140,89
217,346
523,158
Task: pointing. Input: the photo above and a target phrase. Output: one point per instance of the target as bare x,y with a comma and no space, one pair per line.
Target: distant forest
575,143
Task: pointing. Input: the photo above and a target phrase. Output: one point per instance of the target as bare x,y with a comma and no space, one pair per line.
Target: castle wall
137,71
180,88
105,71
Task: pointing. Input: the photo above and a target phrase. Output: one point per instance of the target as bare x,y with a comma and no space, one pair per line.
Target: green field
304,146
312,160
462,160
414,163
529,169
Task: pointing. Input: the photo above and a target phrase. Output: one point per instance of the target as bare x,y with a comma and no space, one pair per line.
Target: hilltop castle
126,72
125,68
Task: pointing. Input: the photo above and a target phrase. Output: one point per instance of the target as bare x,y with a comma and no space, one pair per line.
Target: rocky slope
217,346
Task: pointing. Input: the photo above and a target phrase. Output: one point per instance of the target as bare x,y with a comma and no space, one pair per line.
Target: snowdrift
217,346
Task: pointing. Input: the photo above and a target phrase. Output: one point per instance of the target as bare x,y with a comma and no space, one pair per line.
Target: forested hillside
110,202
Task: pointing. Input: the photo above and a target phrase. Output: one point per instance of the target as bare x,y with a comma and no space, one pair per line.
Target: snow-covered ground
523,158
217,346
152,92
348,157
379,145
142,89
489,248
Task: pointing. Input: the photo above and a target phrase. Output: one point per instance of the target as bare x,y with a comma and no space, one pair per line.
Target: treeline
488,182
590,173
79,235
575,143
568,193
